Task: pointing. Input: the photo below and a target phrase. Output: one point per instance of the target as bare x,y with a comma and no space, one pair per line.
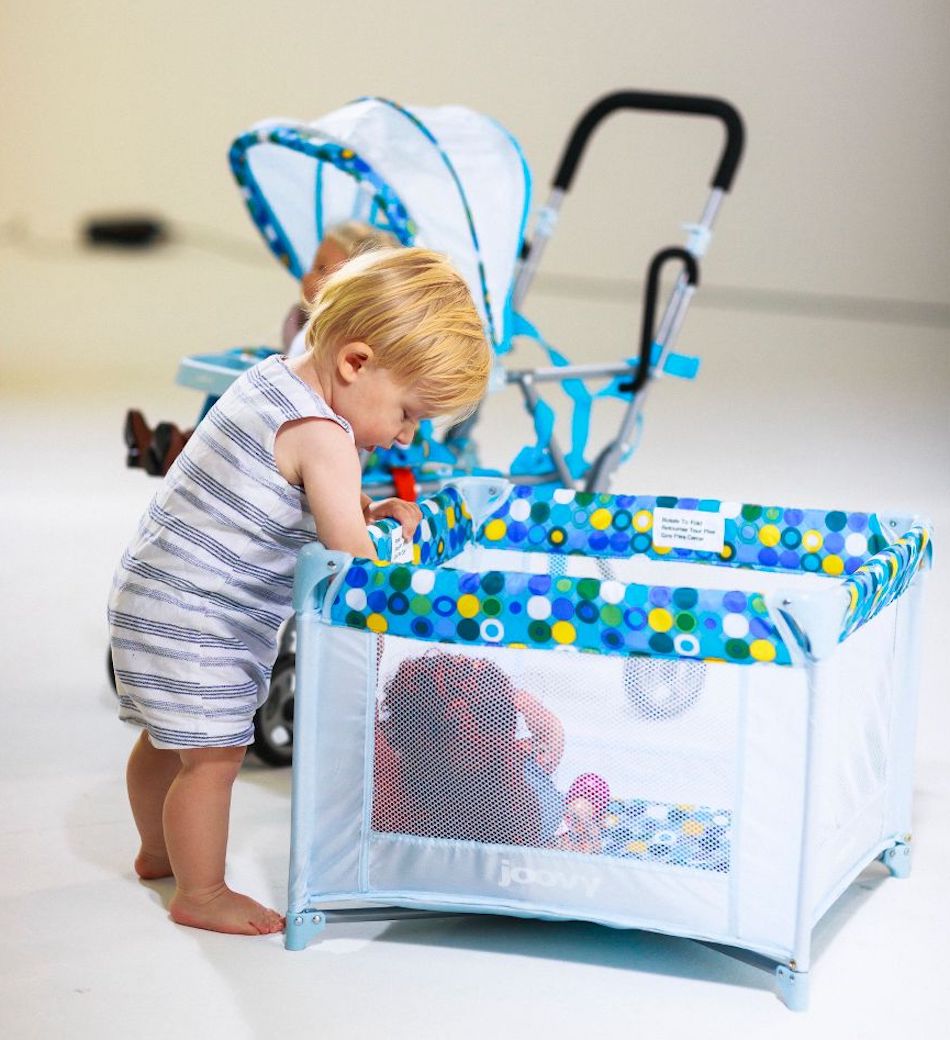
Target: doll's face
328,258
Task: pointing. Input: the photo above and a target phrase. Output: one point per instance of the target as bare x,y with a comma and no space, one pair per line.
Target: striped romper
199,595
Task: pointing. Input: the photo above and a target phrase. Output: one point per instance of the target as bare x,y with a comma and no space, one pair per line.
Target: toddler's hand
407,513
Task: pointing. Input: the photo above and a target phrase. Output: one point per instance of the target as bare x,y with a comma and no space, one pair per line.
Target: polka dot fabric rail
763,537
445,530
432,600
885,577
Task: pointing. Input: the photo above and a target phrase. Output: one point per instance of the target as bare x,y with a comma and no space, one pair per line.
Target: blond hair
416,313
356,236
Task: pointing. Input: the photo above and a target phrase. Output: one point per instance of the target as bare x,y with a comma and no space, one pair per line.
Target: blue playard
689,716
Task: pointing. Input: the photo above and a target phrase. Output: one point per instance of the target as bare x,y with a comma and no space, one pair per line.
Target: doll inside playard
469,748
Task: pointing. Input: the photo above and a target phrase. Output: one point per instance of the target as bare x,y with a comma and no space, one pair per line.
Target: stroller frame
630,379
651,360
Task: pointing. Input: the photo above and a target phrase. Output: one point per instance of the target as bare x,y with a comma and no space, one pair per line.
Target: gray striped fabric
200,593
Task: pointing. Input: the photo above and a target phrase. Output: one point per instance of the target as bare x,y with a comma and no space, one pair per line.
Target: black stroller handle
649,309
646,101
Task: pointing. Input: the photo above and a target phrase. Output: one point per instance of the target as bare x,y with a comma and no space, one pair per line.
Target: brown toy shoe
167,443
138,439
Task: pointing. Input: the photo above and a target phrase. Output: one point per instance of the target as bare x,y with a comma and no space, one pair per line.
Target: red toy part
404,483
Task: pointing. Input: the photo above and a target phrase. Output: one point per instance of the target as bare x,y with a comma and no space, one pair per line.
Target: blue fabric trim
497,608
580,416
505,345
884,577
318,201
445,529
343,159
258,206
534,458
425,449
544,611
682,366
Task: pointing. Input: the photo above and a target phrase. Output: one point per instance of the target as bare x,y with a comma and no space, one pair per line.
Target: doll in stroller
156,450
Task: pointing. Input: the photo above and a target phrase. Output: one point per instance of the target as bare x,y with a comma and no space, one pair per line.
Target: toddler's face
381,410
328,258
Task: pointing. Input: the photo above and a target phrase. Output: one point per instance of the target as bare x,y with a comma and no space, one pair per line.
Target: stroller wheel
274,721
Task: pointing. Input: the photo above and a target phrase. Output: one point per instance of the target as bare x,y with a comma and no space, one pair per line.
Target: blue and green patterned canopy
447,178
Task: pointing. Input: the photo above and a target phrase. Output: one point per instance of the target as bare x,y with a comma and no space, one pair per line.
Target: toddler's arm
318,455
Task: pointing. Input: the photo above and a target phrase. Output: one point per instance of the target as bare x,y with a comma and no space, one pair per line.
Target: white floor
802,413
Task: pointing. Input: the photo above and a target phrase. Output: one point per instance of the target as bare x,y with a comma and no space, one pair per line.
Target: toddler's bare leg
197,809
149,774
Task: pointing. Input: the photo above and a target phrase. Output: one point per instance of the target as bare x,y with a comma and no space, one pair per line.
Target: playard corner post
813,623
319,573
482,495
302,927
810,623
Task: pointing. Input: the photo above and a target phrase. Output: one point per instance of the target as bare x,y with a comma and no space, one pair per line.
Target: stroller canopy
446,178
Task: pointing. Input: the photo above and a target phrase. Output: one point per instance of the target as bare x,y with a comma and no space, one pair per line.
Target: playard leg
302,927
792,987
307,924
790,983
898,859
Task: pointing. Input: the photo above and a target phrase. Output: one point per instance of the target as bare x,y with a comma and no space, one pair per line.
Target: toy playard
695,717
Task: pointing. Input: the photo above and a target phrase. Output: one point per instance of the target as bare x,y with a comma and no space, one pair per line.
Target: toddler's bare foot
225,911
151,866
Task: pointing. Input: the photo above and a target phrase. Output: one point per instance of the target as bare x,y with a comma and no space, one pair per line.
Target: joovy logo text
521,875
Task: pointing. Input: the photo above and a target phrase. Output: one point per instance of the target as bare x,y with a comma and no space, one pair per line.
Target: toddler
201,591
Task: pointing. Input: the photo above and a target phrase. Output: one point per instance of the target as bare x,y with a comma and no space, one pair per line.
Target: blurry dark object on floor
128,232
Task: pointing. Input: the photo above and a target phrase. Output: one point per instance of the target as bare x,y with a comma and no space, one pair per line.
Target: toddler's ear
352,359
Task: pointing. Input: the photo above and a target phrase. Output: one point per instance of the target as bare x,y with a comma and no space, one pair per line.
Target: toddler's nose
406,433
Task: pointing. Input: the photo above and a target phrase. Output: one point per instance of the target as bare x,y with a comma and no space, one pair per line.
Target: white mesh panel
590,754
854,702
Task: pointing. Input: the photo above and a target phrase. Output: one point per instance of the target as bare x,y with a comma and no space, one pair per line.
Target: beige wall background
840,209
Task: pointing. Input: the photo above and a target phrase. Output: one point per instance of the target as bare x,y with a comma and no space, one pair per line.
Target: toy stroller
457,182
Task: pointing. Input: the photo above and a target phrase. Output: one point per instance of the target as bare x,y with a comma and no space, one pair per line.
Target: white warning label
688,529
402,547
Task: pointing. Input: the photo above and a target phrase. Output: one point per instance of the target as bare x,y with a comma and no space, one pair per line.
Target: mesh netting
658,688
854,704
575,752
